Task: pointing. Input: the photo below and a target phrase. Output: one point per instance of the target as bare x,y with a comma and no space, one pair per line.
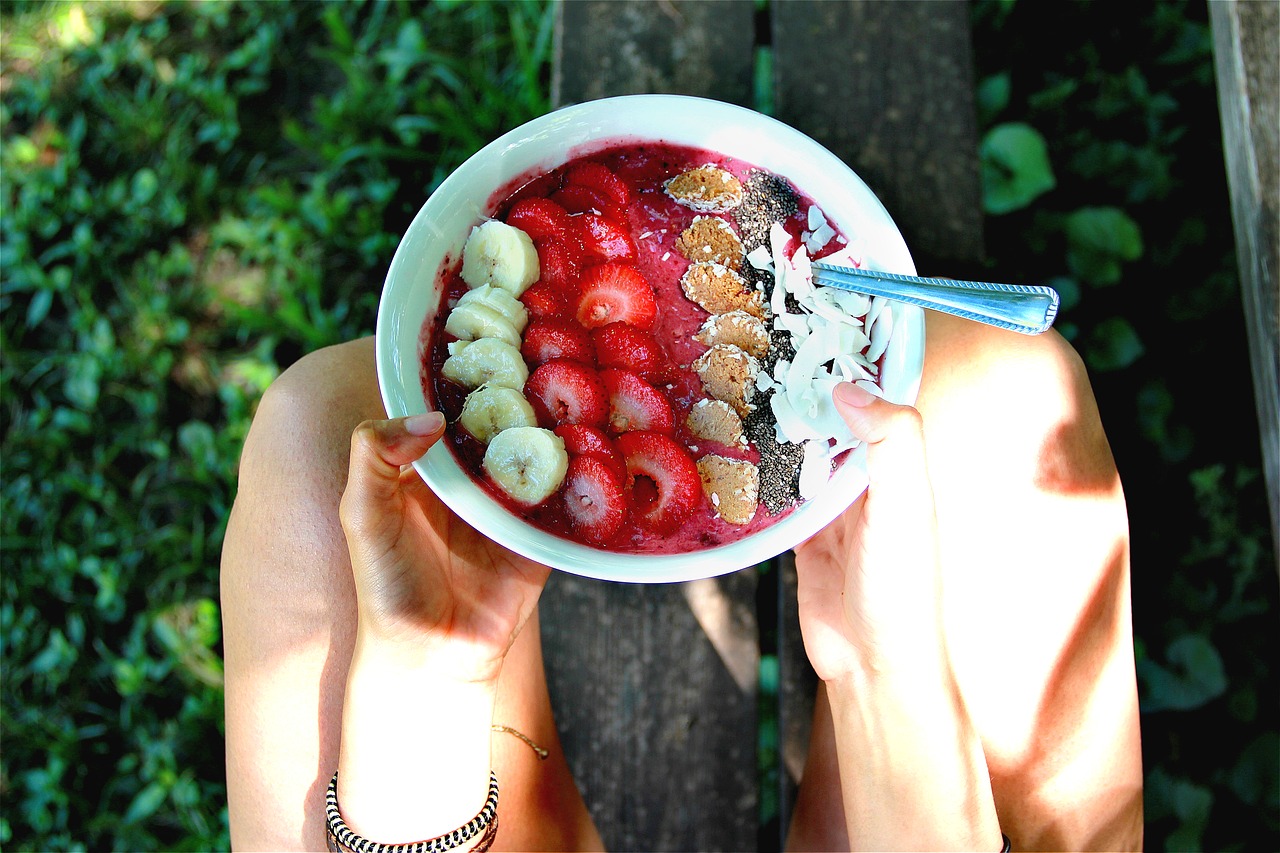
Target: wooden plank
659,726
1245,36
797,683
655,687
888,87
626,47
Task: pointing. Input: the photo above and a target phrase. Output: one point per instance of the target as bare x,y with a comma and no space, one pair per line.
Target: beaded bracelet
483,826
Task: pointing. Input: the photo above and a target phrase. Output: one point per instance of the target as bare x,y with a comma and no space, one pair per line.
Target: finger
894,435
380,448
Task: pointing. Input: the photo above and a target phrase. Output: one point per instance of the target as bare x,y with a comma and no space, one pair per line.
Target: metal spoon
1028,309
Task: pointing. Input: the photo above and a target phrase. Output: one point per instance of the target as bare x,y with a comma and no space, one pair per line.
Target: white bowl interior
412,294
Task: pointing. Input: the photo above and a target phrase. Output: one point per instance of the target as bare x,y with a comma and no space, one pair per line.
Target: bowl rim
455,487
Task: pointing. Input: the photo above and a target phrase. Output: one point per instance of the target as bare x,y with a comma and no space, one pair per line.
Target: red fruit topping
605,239
663,485
600,178
559,263
548,338
593,498
635,404
566,392
613,293
579,199
540,218
581,440
623,345
546,300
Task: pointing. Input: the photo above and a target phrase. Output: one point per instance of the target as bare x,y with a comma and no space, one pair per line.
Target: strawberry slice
581,440
635,404
547,338
605,239
594,499
547,300
559,262
540,218
663,486
576,198
625,346
566,392
615,293
599,177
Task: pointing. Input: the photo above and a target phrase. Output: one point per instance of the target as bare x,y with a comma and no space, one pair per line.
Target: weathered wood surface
655,687
658,725
888,87
1246,44
678,47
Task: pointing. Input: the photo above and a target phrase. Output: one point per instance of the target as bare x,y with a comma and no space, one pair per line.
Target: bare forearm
912,770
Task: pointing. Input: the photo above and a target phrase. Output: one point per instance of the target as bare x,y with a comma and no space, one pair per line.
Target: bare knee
305,419
1020,406
284,546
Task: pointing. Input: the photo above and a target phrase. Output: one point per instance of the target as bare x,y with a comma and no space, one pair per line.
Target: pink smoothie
655,221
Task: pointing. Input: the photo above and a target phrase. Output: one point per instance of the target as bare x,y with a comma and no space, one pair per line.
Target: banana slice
474,321
528,463
499,300
501,255
490,409
473,363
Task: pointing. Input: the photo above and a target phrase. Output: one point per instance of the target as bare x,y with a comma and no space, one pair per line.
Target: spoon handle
1028,309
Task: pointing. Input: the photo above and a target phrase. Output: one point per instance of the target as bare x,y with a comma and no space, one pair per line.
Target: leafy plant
191,196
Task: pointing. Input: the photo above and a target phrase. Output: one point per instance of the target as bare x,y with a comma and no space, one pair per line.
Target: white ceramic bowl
412,295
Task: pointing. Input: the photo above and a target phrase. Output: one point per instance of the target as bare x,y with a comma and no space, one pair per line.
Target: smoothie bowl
612,306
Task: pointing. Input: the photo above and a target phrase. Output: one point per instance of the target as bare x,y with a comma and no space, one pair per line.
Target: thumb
895,440
380,448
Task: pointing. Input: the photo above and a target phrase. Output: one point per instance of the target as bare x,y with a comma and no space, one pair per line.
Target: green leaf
146,803
992,96
1015,168
1099,240
1112,345
1255,779
1170,796
81,387
1194,676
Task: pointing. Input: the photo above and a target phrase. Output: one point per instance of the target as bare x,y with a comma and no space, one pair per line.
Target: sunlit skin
1023,654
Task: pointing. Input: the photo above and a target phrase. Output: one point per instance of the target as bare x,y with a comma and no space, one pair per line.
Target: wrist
432,654
414,760
921,778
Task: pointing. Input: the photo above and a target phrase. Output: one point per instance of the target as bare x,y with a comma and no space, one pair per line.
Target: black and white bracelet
481,826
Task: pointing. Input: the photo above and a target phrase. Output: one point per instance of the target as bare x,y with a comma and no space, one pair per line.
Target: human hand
869,586
427,584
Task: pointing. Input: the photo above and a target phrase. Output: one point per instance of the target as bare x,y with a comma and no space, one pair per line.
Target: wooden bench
1245,36
656,687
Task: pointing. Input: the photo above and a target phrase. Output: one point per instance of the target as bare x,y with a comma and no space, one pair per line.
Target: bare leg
1034,540
289,623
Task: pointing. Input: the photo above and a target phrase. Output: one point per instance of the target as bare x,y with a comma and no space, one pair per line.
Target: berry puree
642,326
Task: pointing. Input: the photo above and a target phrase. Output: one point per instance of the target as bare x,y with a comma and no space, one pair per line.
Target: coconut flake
760,258
880,332
815,469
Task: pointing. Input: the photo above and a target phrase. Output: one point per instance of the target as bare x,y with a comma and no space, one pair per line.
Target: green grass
194,195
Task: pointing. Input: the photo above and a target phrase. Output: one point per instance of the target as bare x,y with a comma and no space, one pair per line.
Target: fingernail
424,424
854,395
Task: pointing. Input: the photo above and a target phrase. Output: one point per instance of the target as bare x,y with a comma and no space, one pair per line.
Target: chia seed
780,348
767,198
779,462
